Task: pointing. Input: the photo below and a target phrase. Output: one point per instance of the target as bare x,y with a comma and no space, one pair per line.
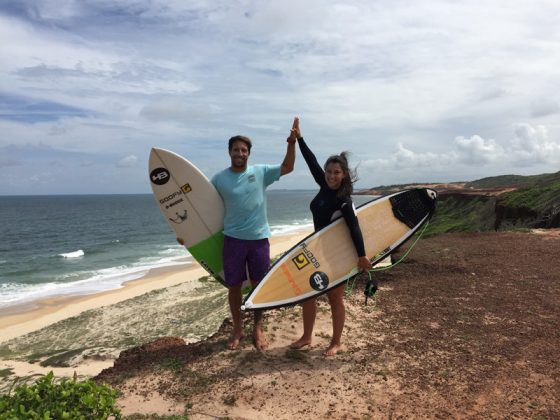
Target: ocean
75,245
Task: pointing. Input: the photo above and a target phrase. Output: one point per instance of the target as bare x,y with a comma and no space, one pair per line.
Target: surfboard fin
371,289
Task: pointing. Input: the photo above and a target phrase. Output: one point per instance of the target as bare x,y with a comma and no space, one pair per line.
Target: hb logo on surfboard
319,281
159,176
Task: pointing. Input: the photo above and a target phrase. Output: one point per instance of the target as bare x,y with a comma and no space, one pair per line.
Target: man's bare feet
302,342
261,344
234,341
333,349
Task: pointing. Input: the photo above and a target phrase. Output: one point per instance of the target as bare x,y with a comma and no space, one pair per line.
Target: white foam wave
281,230
92,282
74,254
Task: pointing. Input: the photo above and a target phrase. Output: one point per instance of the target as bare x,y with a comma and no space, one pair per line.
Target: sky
416,91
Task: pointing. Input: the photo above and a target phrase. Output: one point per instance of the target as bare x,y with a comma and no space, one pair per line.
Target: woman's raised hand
294,132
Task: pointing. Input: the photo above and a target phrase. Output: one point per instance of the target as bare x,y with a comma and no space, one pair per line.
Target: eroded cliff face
504,216
511,217
462,208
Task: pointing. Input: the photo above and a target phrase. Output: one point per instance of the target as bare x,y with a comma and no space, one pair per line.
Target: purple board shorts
242,256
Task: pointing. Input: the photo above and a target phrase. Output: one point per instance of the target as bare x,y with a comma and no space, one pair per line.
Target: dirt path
467,327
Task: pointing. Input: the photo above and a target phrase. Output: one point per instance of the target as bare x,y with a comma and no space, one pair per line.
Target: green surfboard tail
208,253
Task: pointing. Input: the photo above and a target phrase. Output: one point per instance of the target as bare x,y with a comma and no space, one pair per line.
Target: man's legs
234,298
258,262
235,255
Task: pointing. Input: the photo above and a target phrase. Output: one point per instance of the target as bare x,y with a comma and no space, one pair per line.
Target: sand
29,318
466,327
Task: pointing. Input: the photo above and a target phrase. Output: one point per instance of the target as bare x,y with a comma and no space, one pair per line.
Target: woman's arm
314,167
349,214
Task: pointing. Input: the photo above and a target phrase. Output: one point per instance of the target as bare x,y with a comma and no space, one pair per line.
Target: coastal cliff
497,203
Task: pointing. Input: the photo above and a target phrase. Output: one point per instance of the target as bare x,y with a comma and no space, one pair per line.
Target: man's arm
290,158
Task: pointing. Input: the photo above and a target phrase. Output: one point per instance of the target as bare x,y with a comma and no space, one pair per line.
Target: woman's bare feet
302,342
261,344
333,350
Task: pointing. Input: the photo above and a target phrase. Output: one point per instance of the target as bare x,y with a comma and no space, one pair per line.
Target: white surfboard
192,207
328,257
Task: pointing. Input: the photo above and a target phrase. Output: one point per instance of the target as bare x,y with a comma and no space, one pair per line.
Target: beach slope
466,327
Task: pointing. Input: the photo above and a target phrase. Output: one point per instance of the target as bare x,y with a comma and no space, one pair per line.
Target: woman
332,201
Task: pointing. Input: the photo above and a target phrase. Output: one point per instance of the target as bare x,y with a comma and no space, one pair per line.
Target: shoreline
31,316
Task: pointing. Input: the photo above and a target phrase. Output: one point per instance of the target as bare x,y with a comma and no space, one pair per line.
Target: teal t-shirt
245,201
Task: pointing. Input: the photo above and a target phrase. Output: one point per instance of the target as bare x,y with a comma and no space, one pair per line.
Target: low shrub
65,399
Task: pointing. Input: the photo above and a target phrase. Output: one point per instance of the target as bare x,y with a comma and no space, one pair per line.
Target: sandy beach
19,321
465,327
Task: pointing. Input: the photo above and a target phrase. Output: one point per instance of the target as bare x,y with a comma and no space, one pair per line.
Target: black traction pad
411,206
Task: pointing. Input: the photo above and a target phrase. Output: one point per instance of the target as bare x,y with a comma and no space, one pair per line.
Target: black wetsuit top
326,206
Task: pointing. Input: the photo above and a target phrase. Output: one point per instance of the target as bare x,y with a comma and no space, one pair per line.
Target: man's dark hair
244,139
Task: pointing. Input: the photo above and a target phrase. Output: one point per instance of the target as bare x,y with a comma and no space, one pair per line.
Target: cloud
528,146
127,162
125,75
545,108
6,161
175,109
476,150
30,110
531,145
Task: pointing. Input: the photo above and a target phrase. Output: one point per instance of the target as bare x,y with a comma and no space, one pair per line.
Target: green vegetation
514,181
230,400
62,359
535,203
541,197
156,417
175,311
454,214
67,399
172,364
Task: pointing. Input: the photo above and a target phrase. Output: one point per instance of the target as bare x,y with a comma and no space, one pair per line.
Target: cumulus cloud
529,145
476,150
532,145
127,162
404,158
120,75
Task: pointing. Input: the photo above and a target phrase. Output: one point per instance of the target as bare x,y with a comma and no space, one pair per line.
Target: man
246,230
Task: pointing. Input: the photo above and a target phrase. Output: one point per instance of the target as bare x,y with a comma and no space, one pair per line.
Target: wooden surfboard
192,207
327,258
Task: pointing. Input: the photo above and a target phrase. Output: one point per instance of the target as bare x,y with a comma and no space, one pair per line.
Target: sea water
74,245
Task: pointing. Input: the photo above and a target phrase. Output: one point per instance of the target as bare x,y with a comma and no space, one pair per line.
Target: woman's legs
309,313
336,300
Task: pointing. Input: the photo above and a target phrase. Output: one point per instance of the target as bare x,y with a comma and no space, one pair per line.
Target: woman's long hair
347,185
